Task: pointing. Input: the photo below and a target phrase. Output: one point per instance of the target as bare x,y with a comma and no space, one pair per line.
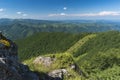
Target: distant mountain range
20,28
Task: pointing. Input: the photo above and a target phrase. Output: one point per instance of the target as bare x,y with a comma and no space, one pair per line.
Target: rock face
46,61
10,67
58,74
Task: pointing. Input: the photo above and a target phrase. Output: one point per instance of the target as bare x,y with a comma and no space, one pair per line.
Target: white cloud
19,12
61,14
1,9
102,13
24,14
107,13
65,8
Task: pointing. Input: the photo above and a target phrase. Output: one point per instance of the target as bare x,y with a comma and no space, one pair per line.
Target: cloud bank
61,14
102,13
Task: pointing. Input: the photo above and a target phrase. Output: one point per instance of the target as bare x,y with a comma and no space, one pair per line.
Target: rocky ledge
10,67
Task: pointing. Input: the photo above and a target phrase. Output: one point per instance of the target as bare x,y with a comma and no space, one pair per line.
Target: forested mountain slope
21,28
97,55
47,42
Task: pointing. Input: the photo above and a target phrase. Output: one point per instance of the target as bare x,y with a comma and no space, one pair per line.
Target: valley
69,50
95,55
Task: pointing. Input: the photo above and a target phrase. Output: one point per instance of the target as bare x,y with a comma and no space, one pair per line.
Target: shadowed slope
46,43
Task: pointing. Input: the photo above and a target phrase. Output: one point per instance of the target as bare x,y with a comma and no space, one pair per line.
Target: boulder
58,74
46,61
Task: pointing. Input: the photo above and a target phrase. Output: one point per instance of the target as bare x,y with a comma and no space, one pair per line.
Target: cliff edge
10,67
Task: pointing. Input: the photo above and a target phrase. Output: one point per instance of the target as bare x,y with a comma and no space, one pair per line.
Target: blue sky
60,9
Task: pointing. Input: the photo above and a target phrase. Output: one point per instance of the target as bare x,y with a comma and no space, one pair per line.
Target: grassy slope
100,54
73,49
97,55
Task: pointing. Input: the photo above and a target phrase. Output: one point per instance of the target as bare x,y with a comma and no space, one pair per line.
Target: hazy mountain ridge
21,28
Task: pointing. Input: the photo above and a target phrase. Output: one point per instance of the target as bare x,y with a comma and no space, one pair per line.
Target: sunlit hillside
97,55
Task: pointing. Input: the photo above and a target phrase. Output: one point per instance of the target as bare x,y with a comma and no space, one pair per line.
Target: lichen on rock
10,67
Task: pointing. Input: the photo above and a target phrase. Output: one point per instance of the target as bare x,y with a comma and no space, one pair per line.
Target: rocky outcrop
10,67
58,74
46,61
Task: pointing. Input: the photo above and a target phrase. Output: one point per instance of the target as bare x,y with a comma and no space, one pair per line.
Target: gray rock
73,66
10,67
46,61
58,74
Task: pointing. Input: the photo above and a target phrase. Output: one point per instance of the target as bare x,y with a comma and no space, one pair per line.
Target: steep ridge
79,44
100,56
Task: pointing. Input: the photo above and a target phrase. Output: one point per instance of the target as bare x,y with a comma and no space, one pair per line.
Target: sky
60,9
